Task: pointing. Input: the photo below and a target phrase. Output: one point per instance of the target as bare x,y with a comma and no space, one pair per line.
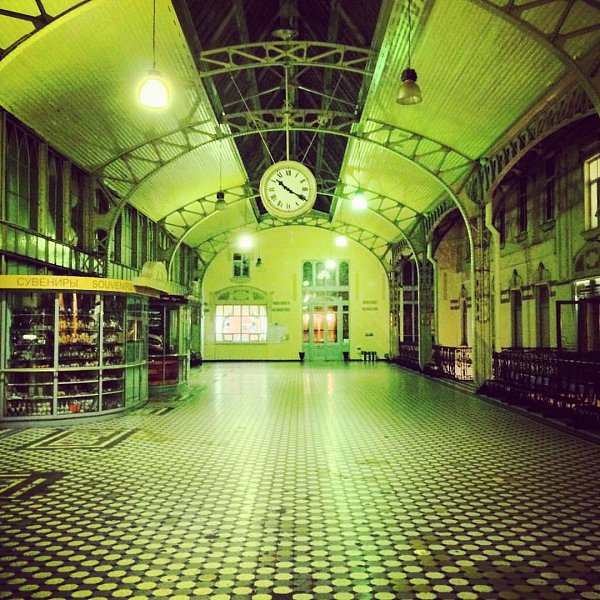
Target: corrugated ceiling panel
476,80
56,7
193,175
12,30
475,72
90,111
380,170
218,223
27,7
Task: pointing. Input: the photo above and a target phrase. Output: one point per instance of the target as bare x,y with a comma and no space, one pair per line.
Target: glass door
321,325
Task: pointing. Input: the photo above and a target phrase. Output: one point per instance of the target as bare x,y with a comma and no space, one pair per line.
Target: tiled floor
304,482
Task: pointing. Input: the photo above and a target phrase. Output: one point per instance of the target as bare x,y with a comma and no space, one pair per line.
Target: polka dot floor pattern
307,482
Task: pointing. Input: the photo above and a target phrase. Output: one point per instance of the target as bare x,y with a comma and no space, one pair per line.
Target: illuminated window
241,323
592,192
241,265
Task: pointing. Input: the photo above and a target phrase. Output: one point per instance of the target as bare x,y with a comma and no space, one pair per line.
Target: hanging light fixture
153,91
409,92
359,202
220,204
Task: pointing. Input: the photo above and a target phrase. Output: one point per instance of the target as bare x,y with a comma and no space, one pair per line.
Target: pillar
426,309
483,330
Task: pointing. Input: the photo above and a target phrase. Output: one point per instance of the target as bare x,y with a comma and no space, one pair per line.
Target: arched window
54,223
410,303
21,178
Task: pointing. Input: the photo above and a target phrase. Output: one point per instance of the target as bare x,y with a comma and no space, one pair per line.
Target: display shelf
65,353
28,408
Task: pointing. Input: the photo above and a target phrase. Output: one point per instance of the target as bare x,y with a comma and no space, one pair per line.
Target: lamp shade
409,92
153,91
220,204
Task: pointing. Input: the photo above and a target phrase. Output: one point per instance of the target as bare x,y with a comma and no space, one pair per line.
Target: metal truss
38,20
278,53
551,23
209,249
573,105
183,221
131,168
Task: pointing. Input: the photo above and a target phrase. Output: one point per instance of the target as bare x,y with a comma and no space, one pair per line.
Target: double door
325,329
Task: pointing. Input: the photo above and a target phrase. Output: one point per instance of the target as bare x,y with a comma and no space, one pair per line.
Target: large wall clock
288,189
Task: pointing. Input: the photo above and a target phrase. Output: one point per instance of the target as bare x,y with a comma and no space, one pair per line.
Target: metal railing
408,355
455,362
560,382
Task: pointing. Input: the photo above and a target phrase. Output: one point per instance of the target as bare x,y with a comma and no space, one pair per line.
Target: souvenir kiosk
168,330
71,347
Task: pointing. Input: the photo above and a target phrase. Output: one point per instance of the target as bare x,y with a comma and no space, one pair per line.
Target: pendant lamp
409,92
153,92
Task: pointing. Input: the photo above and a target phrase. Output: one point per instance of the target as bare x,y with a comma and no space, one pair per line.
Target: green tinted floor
307,482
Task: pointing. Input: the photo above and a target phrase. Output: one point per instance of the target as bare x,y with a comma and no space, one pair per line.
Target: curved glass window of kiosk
69,353
168,342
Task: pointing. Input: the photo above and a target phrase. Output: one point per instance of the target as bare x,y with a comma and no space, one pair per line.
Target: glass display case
168,342
71,353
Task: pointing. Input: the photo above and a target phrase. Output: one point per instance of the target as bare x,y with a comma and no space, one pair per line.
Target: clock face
288,189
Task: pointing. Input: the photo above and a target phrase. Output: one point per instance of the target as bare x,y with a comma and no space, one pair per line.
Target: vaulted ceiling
255,81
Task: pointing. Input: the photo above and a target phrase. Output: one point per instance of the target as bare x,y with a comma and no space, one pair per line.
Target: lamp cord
409,30
252,117
154,36
324,112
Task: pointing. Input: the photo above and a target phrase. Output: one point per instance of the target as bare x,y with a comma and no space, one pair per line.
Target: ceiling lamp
359,202
288,16
409,92
220,204
245,241
341,241
153,91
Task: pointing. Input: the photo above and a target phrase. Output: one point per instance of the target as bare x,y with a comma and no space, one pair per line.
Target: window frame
237,312
592,192
240,265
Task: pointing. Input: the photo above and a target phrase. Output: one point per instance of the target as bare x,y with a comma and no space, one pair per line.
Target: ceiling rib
277,54
340,124
38,22
199,208
584,67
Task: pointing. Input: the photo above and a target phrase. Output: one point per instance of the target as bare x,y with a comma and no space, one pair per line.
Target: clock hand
287,189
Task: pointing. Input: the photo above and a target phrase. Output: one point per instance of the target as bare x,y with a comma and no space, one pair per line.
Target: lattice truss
186,219
130,169
209,249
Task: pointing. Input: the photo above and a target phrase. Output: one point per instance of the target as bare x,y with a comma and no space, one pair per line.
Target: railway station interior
300,299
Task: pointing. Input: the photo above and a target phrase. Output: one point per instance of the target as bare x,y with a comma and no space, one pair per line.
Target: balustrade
408,355
455,362
556,382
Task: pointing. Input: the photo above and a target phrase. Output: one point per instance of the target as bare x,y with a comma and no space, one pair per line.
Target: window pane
241,323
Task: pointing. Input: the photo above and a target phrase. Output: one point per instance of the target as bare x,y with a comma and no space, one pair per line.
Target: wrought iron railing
559,382
408,355
455,362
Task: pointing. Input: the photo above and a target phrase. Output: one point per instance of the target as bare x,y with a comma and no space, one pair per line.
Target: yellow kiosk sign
64,282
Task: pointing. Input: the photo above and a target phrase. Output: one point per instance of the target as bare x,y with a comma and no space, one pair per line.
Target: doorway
325,310
322,330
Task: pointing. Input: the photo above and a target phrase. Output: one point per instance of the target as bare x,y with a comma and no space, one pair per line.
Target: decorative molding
587,260
572,105
240,295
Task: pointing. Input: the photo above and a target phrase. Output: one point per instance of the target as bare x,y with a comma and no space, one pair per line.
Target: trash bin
301,356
